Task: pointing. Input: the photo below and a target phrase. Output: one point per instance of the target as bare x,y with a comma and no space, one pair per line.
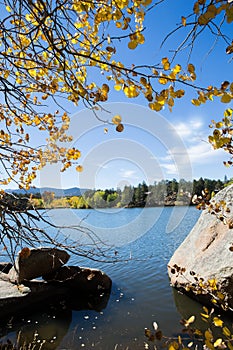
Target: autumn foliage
48,51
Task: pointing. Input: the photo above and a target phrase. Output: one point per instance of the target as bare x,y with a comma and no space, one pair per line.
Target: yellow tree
49,50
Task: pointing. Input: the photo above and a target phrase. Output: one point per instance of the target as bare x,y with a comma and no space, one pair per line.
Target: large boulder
33,263
205,258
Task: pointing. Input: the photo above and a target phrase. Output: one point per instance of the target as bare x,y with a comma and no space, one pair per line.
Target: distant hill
59,192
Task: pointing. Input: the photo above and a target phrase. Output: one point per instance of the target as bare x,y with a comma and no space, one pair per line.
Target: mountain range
58,192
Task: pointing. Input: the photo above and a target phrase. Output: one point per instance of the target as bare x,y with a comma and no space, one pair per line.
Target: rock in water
33,263
207,252
81,279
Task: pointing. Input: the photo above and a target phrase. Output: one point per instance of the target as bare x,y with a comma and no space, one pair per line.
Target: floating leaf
191,319
226,331
217,322
173,346
147,332
218,342
208,334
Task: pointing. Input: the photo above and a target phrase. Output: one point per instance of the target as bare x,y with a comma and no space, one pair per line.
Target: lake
144,239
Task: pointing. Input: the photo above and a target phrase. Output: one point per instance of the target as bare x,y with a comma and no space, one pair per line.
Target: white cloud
200,154
190,131
128,174
170,168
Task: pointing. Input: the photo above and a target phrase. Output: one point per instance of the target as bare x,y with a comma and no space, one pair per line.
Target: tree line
161,193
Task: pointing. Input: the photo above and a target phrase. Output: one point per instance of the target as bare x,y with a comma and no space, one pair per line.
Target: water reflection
188,307
46,327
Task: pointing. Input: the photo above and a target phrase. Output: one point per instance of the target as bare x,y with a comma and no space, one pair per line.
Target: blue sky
153,146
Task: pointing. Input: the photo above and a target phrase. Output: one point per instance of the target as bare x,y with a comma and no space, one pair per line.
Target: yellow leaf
196,8
18,81
131,91
196,102
173,346
228,112
218,342
212,283
191,68
191,319
231,87
79,168
143,81
140,38
226,331
8,8
183,19
132,44
105,88
116,119
117,87
208,335
179,340
220,295
177,69
165,63
179,93
226,98
155,106
217,322
163,81
6,74
219,125
229,345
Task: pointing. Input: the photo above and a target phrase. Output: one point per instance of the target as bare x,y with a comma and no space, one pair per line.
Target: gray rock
33,263
205,253
81,279
14,298
9,290
91,286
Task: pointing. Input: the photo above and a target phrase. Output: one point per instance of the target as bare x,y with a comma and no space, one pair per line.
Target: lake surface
141,293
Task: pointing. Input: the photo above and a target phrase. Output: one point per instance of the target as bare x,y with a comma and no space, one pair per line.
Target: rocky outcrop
33,263
205,258
62,282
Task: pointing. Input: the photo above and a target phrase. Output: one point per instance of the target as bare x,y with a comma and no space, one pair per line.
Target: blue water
144,240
